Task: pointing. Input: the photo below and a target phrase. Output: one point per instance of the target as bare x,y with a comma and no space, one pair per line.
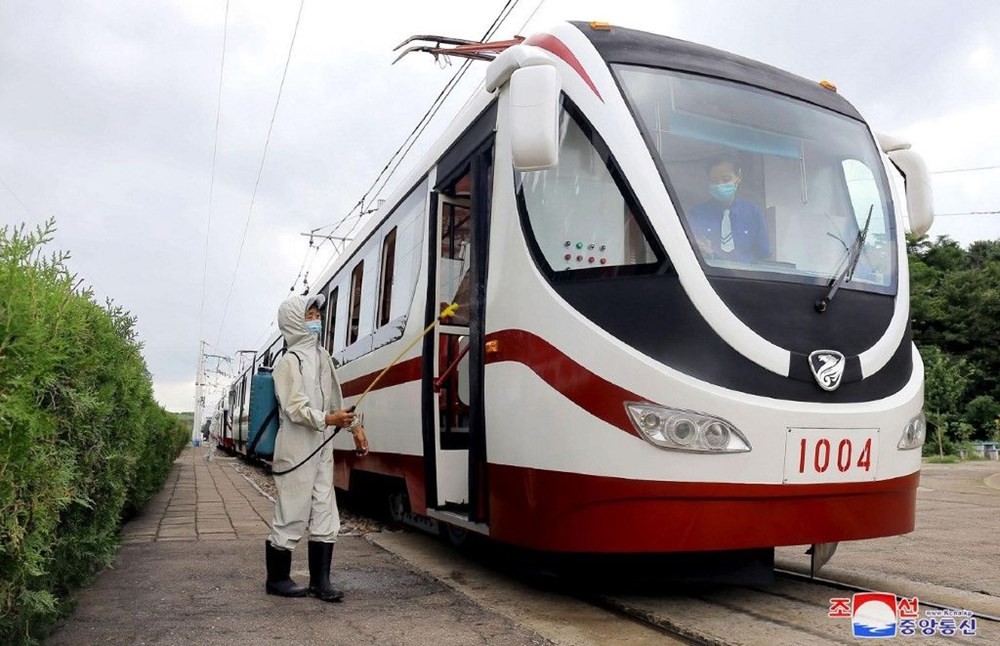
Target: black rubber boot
279,567
320,556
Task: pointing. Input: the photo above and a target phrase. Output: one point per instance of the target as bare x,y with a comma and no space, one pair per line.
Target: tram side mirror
919,194
534,117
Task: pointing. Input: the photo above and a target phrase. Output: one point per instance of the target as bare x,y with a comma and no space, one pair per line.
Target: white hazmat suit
306,386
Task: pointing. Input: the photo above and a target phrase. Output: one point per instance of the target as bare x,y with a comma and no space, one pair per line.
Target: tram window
579,215
805,179
385,286
408,261
456,258
331,318
865,198
354,312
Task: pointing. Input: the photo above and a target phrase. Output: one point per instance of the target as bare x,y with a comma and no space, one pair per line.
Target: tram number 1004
815,455
845,451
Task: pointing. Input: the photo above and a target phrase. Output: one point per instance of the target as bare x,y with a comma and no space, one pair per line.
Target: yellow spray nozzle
449,311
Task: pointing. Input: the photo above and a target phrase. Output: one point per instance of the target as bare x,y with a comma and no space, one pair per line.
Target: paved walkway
191,571
202,501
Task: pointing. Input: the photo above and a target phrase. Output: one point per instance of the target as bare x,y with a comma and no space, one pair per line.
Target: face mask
723,192
314,326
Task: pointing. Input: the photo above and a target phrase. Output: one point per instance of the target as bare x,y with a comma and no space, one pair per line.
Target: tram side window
331,318
354,311
385,284
408,257
578,213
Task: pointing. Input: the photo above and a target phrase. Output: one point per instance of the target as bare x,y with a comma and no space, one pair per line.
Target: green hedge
82,441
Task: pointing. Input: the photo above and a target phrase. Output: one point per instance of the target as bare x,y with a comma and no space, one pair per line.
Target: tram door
453,419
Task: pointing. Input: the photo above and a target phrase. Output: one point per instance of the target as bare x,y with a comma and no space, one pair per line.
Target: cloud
109,117
982,59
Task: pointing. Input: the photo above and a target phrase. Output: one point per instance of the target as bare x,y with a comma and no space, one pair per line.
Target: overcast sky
108,112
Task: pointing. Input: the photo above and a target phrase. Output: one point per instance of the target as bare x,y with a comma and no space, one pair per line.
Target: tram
620,378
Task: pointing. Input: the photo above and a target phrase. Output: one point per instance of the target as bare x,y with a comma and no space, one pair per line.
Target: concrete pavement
191,571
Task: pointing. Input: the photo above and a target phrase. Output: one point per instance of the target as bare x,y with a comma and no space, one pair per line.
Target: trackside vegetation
83,444
955,318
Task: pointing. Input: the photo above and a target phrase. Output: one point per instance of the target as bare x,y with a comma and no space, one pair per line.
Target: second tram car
620,378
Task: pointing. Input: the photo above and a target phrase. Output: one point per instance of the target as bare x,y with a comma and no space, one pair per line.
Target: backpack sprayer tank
263,414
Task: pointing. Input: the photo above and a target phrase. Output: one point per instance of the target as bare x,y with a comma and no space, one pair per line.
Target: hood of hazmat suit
306,387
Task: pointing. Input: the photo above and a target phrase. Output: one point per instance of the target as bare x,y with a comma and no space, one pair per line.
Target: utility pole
199,383
199,398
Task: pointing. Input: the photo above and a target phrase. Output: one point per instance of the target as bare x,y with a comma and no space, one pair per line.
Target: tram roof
634,47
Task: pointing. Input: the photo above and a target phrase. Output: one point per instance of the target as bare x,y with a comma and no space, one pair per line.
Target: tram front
740,230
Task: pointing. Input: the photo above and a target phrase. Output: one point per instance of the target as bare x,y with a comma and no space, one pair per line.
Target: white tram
613,383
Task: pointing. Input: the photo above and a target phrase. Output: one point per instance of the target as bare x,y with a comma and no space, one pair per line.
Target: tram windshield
768,186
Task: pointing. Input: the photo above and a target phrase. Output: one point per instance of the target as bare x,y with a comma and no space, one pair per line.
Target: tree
984,252
955,306
946,254
946,380
982,413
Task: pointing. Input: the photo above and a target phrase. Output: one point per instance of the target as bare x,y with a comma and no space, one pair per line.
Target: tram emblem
827,367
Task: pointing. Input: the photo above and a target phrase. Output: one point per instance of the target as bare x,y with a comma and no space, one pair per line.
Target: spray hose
447,312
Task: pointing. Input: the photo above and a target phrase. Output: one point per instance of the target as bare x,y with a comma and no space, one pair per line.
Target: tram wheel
457,536
399,505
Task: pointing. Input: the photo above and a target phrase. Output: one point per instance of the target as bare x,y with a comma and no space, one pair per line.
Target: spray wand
447,312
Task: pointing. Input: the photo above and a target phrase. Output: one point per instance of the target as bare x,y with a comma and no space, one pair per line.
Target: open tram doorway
454,429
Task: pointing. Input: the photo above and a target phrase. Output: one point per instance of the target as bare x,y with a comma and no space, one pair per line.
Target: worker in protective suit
310,404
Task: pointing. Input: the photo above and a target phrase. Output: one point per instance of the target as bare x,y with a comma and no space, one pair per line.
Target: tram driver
728,226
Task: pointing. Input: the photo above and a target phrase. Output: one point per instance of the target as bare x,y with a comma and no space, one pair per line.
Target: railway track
798,576
794,610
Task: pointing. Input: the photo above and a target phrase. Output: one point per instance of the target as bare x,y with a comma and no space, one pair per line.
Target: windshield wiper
853,256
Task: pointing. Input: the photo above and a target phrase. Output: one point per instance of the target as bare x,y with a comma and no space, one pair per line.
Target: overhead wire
260,171
963,170
11,191
428,116
446,92
211,185
500,19
358,211
387,171
490,33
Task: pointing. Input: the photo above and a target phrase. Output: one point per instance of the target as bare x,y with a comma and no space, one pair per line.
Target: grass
938,459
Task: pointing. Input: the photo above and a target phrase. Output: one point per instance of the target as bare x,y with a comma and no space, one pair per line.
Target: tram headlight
716,435
685,430
682,430
913,433
650,421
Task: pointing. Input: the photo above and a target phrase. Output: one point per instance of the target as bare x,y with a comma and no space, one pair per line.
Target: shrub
81,438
